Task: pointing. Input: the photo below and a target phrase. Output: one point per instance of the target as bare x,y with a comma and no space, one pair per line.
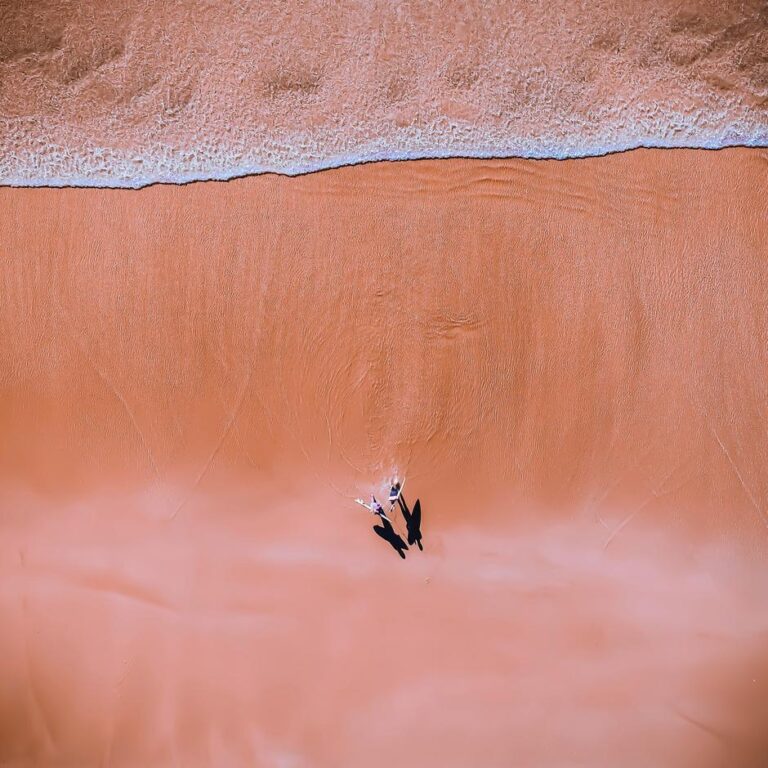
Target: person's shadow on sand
388,533
412,521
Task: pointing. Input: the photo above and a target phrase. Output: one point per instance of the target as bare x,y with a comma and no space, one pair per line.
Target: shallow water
124,95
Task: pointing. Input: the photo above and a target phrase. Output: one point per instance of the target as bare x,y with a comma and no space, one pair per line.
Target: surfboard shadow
412,521
388,533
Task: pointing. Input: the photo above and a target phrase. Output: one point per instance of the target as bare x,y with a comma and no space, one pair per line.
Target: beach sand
566,360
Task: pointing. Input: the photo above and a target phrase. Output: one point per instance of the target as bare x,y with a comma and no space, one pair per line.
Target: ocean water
136,94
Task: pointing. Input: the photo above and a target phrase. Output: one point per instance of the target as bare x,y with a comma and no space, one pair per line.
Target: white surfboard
399,494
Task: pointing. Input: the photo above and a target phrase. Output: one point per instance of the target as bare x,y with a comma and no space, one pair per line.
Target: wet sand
567,360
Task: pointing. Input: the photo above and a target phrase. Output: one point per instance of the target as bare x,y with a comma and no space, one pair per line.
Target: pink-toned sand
567,360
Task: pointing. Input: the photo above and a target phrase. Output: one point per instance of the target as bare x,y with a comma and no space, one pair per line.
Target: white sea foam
226,90
110,167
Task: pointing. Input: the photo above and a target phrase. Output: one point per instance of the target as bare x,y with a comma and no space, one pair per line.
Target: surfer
375,507
396,497
386,530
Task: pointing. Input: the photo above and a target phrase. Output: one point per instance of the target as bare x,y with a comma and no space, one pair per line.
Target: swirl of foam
128,94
